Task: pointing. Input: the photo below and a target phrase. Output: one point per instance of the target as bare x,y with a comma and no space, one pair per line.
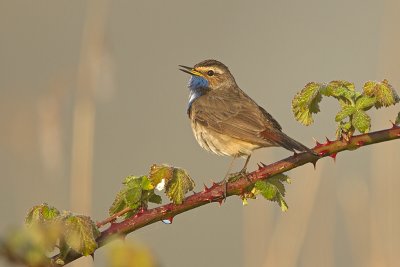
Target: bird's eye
210,73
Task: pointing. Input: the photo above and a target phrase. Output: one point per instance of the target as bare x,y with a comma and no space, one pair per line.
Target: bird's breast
221,144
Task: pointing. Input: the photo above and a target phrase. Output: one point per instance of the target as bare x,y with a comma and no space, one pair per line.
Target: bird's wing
236,115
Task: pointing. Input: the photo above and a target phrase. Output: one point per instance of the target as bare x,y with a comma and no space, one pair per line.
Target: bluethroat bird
225,120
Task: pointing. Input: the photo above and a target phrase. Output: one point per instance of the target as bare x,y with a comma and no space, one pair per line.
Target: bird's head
210,74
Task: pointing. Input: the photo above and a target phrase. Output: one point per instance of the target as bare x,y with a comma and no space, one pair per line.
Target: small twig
113,217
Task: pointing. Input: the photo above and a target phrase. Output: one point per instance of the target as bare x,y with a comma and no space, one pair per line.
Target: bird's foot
232,177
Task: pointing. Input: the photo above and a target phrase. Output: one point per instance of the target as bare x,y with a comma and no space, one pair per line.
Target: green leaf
130,196
340,89
361,121
80,234
305,103
42,221
24,245
383,91
277,180
41,214
282,203
133,181
146,183
178,185
267,190
159,172
135,194
345,112
155,199
273,189
397,121
126,198
365,102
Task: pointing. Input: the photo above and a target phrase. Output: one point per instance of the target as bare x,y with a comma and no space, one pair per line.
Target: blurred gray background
90,93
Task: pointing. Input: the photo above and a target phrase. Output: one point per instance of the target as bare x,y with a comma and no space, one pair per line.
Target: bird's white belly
221,144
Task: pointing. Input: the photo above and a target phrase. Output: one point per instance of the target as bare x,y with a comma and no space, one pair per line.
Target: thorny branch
239,187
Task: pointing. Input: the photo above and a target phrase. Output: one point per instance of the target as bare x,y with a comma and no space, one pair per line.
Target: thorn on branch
314,163
317,144
328,142
206,189
394,125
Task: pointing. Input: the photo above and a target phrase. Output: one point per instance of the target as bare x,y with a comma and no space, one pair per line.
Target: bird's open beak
190,70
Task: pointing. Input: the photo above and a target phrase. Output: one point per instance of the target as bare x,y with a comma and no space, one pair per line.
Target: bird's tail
281,139
291,144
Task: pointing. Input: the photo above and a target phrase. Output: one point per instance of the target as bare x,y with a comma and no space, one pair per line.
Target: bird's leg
234,176
245,164
226,178
227,175
243,171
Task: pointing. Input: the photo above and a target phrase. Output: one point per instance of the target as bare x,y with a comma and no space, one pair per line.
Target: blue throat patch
198,87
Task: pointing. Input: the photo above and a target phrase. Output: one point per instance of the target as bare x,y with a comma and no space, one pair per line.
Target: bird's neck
198,86
196,82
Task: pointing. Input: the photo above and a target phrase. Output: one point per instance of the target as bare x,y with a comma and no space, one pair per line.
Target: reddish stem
215,192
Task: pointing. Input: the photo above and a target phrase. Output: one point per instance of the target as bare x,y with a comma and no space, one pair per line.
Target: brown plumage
225,120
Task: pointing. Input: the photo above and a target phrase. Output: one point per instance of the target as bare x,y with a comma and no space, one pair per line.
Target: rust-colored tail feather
281,139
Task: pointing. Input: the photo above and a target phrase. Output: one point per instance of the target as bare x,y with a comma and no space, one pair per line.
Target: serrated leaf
383,91
159,172
135,194
178,185
341,84
345,112
128,197
282,203
133,181
365,102
146,183
361,121
273,189
41,214
267,190
341,89
277,180
80,234
305,103
397,121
